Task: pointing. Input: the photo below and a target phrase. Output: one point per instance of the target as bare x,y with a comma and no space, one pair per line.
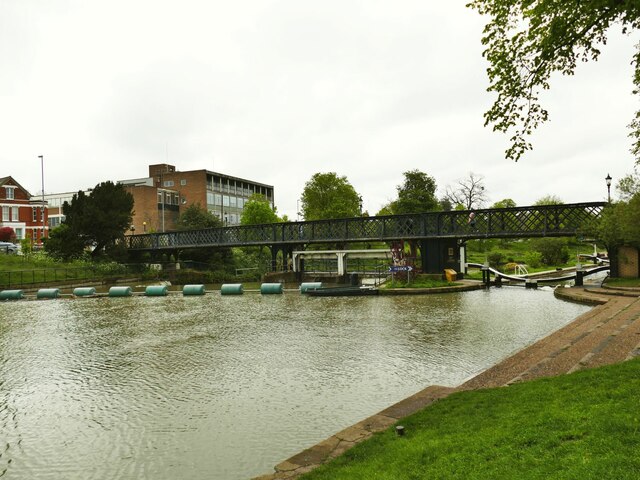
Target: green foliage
96,220
496,259
416,195
257,210
533,259
196,217
327,195
553,251
628,186
527,42
549,200
504,203
578,426
619,225
63,243
385,210
419,282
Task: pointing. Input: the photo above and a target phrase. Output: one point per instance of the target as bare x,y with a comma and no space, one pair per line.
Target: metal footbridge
436,232
525,222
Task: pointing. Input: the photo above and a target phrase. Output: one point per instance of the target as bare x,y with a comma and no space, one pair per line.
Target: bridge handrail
566,219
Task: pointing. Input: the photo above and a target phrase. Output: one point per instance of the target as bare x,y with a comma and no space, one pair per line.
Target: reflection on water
226,387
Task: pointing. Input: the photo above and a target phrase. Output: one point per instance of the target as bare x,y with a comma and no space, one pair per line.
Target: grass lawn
623,282
580,426
419,283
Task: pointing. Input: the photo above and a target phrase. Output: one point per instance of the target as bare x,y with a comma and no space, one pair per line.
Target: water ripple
225,387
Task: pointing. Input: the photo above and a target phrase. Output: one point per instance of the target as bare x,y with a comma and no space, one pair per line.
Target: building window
159,197
183,182
168,183
232,202
5,214
19,235
225,201
35,214
10,193
15,216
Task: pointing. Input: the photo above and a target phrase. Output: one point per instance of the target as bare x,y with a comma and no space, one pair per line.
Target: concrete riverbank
608,333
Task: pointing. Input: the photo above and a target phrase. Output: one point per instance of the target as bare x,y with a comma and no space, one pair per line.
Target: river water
225,387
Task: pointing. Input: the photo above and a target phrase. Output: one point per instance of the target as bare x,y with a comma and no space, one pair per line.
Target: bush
533,259
496,259
553,251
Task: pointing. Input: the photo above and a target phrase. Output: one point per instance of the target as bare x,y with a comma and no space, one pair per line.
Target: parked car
8,247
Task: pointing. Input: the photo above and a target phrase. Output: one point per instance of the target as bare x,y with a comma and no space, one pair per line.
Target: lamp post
41,157
608,180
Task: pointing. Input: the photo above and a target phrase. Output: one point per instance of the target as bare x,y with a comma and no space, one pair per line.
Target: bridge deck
534,221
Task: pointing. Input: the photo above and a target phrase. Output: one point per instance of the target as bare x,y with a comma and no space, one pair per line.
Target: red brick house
27,215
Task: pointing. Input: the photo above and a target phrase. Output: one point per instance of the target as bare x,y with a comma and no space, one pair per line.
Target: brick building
155,209
25,214
160,197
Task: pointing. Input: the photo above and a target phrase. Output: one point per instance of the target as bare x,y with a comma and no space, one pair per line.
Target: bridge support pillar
438,254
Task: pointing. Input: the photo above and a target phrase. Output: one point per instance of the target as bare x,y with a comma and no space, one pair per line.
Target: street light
41,157
608,180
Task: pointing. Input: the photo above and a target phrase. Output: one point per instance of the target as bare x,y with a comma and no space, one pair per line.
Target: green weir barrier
156,291
120,291
309,286
84,291
271,288
231,289
11,295
193,290
48,293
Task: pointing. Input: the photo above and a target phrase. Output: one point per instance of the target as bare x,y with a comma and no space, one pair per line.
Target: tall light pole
608,180
41,157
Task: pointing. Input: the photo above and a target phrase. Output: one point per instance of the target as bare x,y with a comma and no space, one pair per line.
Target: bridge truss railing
535,221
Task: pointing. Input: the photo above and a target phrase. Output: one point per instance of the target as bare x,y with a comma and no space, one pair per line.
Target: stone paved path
609,333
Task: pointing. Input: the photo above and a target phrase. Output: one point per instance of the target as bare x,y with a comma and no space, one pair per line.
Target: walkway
608,333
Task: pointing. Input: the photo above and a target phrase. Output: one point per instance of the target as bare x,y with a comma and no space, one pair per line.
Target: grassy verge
580,426
623,282
419,282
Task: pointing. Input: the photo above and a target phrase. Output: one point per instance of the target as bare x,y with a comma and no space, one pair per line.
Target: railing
535,221
59,276
25,278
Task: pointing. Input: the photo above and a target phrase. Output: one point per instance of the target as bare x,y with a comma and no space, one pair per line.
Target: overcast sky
277,90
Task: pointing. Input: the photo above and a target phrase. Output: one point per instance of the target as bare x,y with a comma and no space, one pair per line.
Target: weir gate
439,235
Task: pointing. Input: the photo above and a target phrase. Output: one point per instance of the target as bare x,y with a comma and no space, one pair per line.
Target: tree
628,186
527,41
327,195
416,195
504,203
257,210
96,220
548,200
7,234
64,244
196,217
468,192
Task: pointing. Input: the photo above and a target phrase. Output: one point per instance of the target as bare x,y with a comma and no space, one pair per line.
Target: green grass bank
584,425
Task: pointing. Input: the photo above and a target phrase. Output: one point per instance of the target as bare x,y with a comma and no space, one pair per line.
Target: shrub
553,251
496,259
533,259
